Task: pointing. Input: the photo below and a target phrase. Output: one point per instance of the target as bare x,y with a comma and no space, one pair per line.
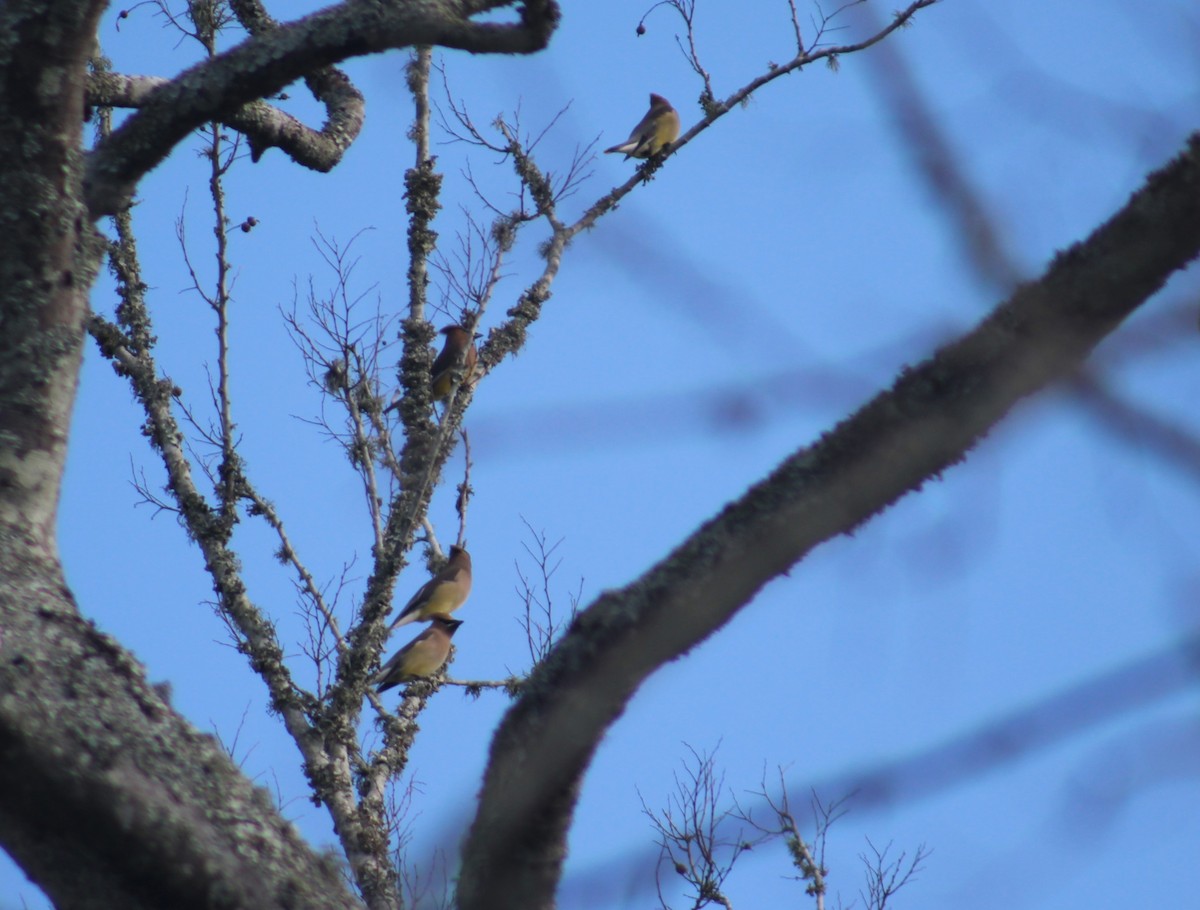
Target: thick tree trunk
107,798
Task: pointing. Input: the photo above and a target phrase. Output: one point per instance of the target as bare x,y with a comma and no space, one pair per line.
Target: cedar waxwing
444,593
423,656
459,350
656,130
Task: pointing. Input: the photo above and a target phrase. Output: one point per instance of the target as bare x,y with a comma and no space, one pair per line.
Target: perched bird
423,656
444,593
459,350
654,132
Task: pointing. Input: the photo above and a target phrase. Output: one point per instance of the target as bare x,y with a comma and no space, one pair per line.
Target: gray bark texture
107,797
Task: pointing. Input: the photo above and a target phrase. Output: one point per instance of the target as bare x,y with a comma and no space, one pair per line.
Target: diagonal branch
509,337
906,436
715,110
987,252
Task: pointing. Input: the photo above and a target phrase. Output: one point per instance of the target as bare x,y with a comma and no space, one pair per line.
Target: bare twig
431,889
885,878
807,855
689,833
541,625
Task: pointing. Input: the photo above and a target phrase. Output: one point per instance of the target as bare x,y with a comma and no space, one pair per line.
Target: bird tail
626,147
381,683
403,620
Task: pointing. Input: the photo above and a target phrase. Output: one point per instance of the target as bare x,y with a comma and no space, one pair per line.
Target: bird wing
380,679
441,363
643,134
424,593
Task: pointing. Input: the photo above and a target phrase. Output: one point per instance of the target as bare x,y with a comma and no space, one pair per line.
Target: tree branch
906,436
264,63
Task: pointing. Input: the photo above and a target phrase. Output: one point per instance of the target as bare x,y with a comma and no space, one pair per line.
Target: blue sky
784,267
